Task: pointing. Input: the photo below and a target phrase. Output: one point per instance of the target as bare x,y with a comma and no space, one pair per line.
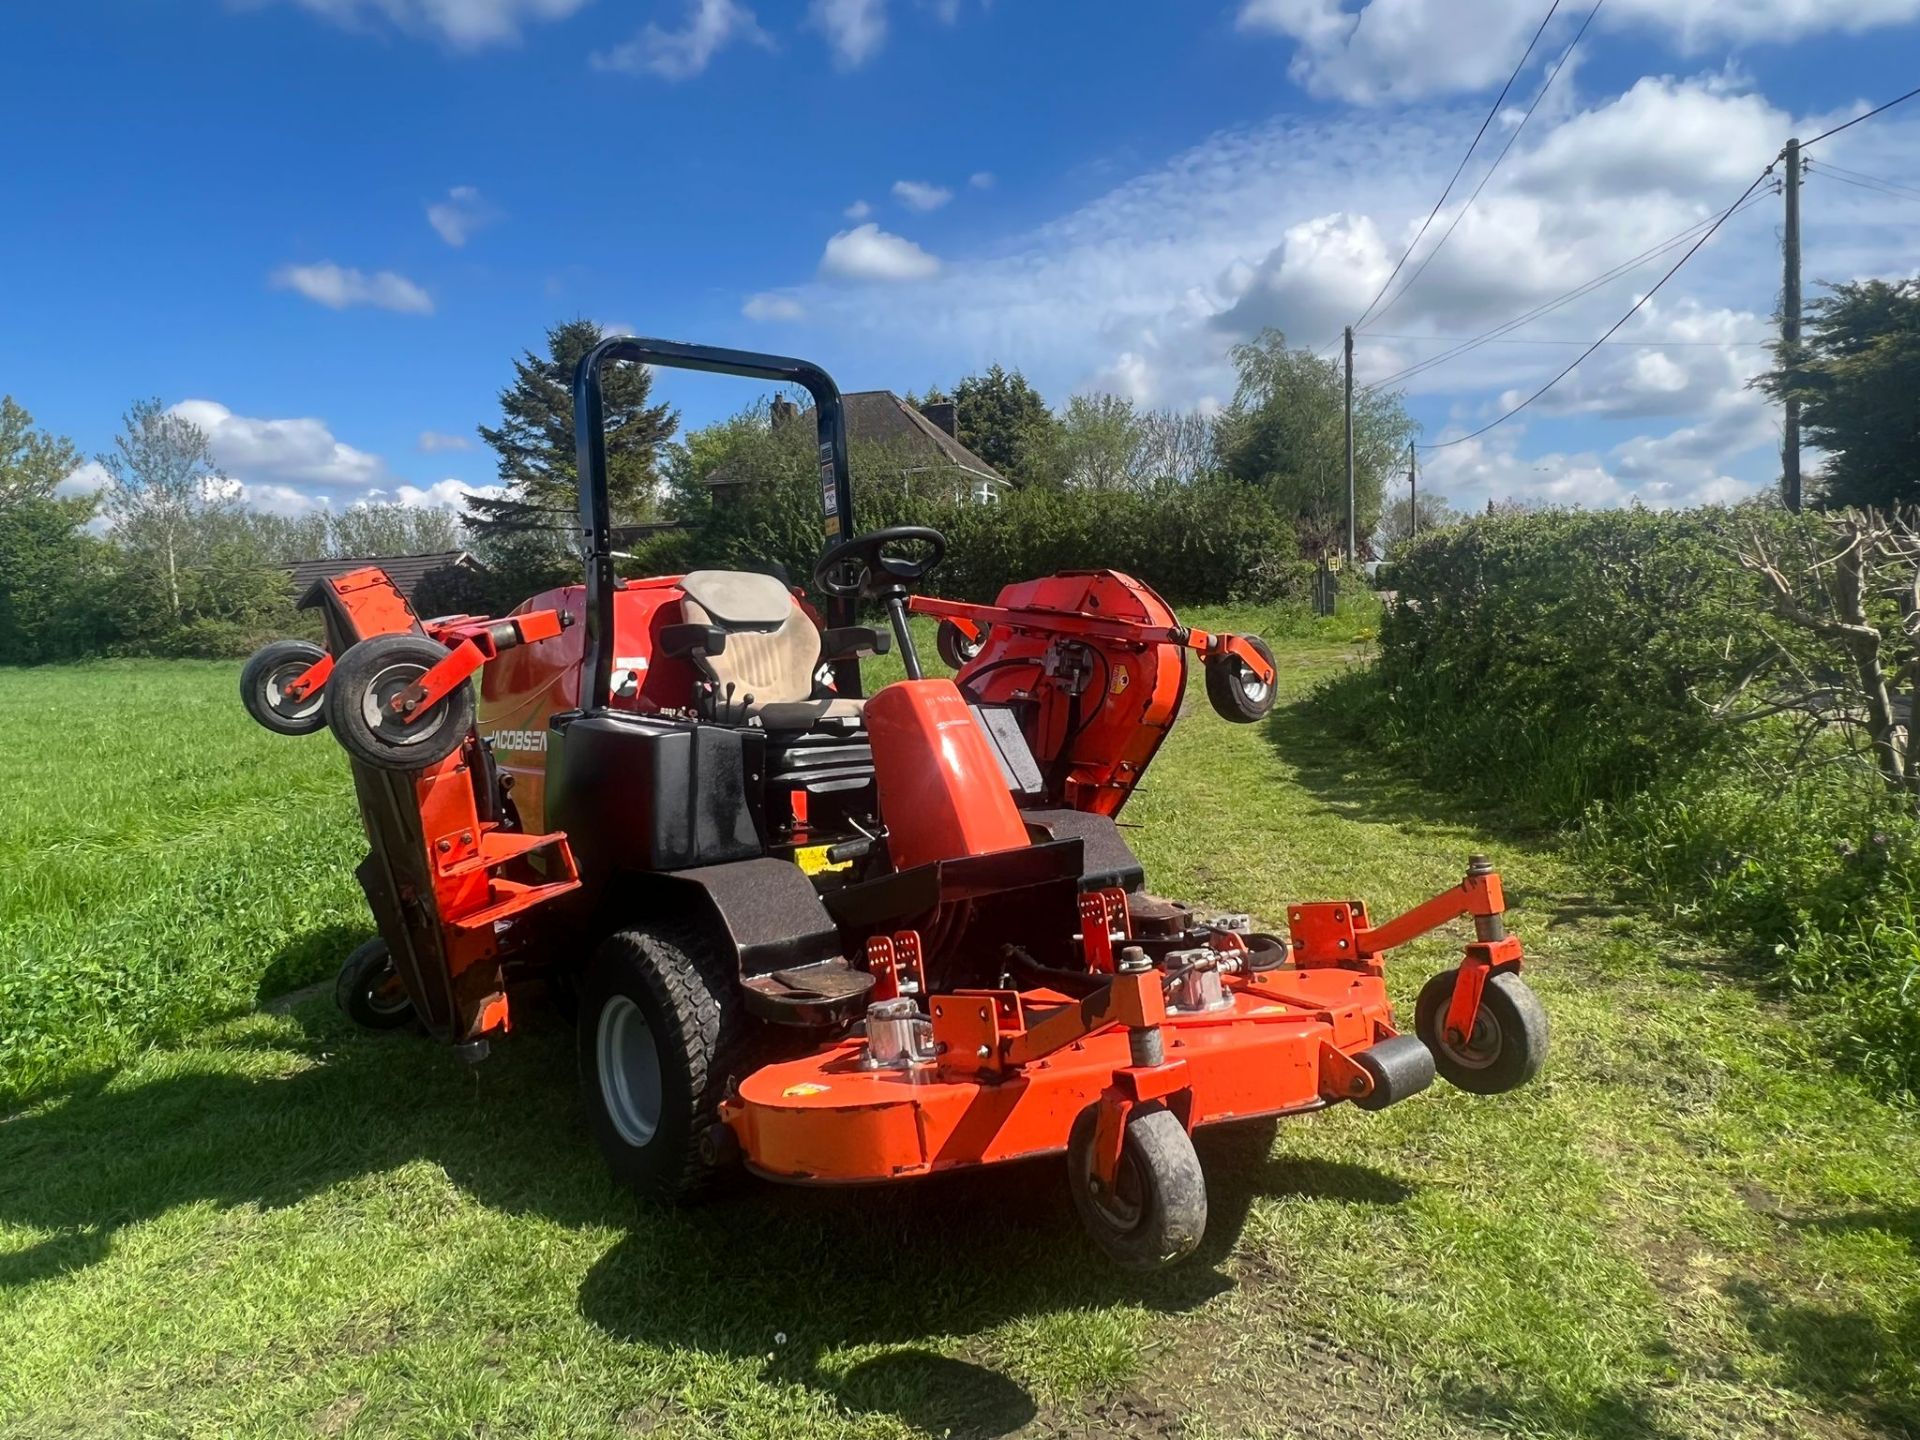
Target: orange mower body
841,940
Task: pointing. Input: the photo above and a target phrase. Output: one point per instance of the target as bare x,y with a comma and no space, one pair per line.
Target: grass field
273,1225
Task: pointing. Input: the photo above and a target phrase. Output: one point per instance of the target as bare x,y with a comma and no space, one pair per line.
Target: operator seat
765,671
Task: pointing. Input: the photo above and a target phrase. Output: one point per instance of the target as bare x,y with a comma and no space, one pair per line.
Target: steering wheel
880,575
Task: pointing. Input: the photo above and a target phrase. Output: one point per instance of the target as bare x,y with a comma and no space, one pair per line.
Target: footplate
827,993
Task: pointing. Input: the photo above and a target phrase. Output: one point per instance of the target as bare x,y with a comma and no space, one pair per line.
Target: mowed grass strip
280,1226
161,859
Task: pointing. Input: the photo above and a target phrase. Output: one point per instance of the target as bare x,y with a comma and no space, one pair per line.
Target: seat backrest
772,647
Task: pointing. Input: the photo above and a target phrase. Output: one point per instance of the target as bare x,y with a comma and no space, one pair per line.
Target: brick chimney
783,410
943,413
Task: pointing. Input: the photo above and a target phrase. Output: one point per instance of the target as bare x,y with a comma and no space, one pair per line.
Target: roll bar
596,523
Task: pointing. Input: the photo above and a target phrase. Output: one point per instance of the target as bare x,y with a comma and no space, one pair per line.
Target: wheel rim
386,995
376,707
1252,688
1482,1047
629,1066
283,704
1119,1204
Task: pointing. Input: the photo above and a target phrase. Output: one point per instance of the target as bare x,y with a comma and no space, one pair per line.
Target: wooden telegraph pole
1790,327
1413,497
1353,539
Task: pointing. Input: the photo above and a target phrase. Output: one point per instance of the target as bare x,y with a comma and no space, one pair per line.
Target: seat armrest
682,640
850,642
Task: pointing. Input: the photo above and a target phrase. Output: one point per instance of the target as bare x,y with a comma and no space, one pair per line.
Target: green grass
274,1225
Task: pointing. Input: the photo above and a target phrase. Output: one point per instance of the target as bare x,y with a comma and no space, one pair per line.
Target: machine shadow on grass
920,1269
797,1276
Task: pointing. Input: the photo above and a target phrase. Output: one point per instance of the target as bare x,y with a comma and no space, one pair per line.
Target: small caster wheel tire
954,648
1509,1041
370,990
1156,1211
1400,1067
360,692
263,681
1235,692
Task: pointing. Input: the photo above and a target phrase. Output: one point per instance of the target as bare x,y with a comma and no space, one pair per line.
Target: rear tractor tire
661,1034
360,692
1156,1211
953,646
263,681
369,989
1509,1040
1235,692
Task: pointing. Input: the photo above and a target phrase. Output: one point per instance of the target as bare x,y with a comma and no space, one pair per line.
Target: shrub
1567,667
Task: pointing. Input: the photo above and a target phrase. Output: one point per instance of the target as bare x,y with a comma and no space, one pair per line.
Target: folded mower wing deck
842,939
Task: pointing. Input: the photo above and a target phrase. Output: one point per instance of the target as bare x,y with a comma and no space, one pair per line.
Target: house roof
880,417
406,571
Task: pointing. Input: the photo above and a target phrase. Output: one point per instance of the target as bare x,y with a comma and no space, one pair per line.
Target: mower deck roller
835,941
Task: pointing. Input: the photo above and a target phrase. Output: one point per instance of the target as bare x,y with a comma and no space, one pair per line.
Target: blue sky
324,227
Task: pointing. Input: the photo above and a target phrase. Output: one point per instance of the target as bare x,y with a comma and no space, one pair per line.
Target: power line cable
1669,344
1547,307
1827,172
1693,249
1834,169
1440,244
1878,109
1500,100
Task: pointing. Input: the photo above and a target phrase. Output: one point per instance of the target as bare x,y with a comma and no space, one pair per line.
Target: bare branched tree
1848,662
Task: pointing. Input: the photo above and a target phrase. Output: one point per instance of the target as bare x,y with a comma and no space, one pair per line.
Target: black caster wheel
1156,1210
263,681
1509,1040
369,989
360,693
953,646
1235,692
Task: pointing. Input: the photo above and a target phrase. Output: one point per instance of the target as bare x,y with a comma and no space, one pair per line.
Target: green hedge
1207,543
1564,667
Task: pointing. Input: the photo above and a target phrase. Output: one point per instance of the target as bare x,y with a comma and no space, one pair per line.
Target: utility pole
1790,327
1353,538
1413,497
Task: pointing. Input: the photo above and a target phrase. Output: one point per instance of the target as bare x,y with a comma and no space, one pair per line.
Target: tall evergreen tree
1856,374
530,525
1003,420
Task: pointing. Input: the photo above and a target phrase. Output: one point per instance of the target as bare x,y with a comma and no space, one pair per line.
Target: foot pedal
828,993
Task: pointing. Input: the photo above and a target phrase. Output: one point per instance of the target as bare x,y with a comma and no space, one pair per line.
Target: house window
985,492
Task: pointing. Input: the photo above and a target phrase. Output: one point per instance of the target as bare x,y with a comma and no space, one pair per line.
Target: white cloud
1296,224
444,493
982,180
1388,50
88,478
855,29
294,453
859,210
710,27
867,252
770,306
460,214
338,287
464,24
921,196
435,441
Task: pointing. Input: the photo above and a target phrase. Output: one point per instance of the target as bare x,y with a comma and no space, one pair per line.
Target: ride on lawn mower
837,939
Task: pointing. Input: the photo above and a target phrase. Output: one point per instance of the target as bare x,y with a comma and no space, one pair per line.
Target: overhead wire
1848,125
1833,169
1633,310
1461,167
1461,214
1547,307
1874,187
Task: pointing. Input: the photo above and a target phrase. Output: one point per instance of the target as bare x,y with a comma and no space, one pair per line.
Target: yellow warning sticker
805,1087
813,859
